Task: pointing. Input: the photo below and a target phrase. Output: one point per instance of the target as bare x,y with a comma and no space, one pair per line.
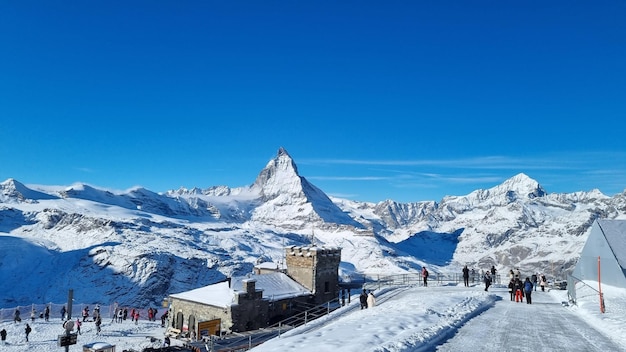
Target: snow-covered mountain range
138,246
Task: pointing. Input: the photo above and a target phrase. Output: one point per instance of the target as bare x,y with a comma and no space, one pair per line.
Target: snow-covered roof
275,286
270,266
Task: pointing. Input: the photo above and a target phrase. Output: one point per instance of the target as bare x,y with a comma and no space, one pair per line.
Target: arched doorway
179,321
192,327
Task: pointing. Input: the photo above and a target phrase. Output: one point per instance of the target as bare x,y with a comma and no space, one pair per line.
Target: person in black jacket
3,335
466,276
511,288
519,290
363,299
27,330
487,279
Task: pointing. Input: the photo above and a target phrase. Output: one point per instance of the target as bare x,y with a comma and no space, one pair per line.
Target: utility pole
70,298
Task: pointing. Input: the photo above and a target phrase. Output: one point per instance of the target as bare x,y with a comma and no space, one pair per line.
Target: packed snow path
447,318
544,325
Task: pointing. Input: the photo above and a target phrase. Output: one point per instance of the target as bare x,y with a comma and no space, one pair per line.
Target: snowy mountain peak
517,188
522,185
280,176
12,191
281,187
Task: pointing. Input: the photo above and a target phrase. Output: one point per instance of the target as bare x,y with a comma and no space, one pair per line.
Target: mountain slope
139,246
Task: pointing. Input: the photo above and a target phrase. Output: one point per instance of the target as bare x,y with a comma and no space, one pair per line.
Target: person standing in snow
85,313
27,330
16,315
371,300
363,299
543,282
33,314
63,311
3,336
487,279
511,288
425,276
493,273
519,290
466,276
534,279
78,326
46,313
98,324
528,290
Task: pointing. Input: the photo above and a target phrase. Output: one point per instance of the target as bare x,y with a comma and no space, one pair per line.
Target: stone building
255,301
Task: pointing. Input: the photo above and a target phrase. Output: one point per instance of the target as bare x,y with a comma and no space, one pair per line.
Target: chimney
249,285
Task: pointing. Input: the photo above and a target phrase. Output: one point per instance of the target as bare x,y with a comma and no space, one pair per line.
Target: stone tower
316,268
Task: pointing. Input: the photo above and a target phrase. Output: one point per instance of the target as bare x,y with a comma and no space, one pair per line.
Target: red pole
600,288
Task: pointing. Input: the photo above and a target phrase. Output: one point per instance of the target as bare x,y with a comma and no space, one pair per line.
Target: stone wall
316,268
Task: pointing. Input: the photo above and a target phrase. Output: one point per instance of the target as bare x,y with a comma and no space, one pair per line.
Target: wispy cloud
560,160
349,178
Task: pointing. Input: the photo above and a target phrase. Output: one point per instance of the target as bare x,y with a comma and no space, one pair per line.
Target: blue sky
402,100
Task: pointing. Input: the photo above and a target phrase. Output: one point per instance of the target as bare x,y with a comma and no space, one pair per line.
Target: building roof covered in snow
275,286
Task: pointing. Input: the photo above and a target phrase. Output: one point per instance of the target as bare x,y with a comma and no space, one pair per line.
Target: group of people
119,315
3,334
367,299
488,278
523,289
518,288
